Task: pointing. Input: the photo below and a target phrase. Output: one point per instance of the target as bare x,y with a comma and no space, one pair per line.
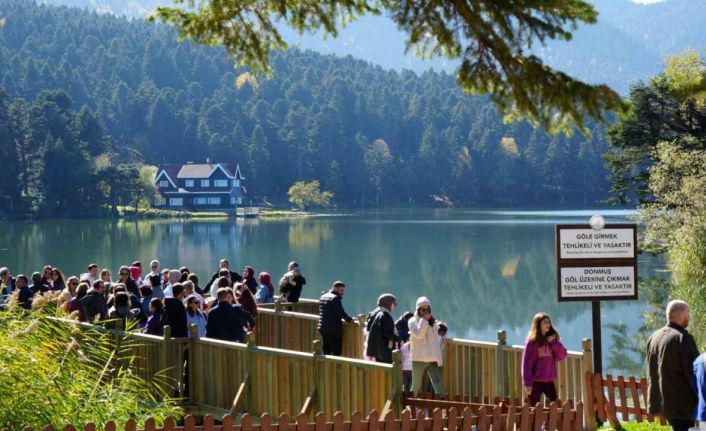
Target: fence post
360,337
250,372
589,416
191,378
166,340
276,323
318,375
500,363
397,382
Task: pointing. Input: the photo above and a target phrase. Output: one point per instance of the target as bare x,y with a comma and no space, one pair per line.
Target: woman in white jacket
425,347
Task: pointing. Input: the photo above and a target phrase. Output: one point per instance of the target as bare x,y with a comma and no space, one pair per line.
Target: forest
89,99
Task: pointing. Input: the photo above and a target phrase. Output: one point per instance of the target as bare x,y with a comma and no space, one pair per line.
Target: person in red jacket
542,351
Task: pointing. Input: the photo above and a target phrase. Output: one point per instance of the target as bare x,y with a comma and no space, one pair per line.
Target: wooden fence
282,373
231,377
305,305
226,377
619,396
556,418
474,369
297,331
483,370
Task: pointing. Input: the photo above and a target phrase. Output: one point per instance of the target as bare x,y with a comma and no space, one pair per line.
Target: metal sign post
596,262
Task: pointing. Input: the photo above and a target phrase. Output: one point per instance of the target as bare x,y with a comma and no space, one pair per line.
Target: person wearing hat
425,347
330,314
381,330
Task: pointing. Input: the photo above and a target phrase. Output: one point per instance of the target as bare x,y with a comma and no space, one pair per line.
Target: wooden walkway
281,369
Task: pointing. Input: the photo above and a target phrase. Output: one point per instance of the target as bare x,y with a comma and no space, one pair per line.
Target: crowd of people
225,308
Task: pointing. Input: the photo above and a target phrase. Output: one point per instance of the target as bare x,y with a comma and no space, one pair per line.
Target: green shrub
52,374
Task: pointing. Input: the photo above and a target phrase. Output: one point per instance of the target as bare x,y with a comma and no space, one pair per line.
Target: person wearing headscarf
266,293
249,279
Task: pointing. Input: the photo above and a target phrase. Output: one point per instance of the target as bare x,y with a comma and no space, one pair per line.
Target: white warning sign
608,282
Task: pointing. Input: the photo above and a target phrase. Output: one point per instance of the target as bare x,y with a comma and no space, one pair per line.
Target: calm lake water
482,270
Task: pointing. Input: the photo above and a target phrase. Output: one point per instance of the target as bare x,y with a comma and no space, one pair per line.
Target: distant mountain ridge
629,42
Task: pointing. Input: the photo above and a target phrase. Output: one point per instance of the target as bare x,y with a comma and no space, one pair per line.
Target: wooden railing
297,331
288,376
306,306
226,377
483,370
491,418
474,369
619,396
232,377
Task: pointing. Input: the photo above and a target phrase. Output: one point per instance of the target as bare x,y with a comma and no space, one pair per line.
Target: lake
482,270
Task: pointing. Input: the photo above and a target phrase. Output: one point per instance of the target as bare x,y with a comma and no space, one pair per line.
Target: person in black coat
402,327
94,302
25,295
37,285
226,321
671,352
174,312
223,264
381,330
330,314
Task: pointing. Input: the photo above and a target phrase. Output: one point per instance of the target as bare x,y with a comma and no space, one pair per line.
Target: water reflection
482,271
309,236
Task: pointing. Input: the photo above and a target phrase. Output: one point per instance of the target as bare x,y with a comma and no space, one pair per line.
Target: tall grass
56,374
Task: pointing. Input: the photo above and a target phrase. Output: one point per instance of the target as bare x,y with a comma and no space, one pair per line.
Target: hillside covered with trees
130,93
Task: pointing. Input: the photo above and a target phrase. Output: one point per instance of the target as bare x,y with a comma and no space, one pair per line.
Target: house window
240,201
232,201
236,183
176,202
214,201
220,183
200,201
205,183
160,202
163,183
189,183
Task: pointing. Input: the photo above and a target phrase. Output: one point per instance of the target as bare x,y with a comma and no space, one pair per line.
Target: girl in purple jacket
542,351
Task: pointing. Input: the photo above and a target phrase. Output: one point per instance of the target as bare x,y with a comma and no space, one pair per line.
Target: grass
51,374
639,426
285,213
154,213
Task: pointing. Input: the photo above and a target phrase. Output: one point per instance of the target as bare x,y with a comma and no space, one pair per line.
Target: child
154,325
443,329
542,351
406,367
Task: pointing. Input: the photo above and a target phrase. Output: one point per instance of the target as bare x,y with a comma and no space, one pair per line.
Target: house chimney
208,160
